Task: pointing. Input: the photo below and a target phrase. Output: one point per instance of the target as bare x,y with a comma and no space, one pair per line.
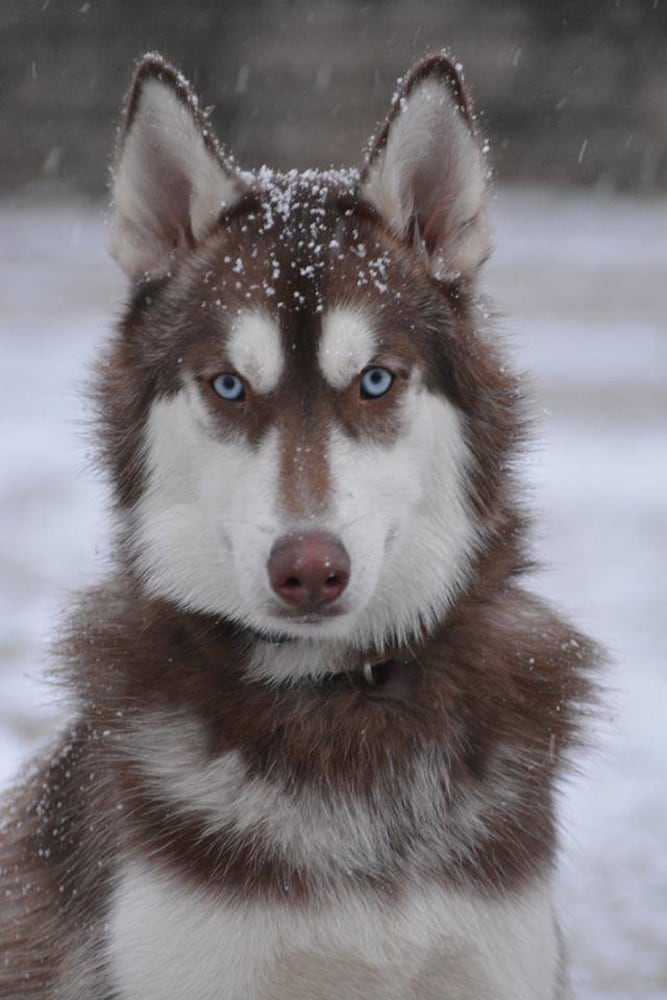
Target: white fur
255,349
346,346
166,182
432,167
205,527
168,939
294,661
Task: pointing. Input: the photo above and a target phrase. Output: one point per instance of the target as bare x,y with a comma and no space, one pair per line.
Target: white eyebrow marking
255,350
346,346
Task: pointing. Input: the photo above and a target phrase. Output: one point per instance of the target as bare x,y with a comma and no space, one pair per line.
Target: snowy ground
582,278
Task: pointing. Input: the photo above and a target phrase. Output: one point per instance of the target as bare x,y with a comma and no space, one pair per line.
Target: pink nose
308,571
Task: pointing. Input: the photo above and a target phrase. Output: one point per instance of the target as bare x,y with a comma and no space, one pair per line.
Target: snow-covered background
582,279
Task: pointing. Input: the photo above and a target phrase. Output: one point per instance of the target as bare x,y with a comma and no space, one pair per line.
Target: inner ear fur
425,173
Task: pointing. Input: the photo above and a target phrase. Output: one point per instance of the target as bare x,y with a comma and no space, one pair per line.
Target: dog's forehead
299,246
276,247
306,223
302,278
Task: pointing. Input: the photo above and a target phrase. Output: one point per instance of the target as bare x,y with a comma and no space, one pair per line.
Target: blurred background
573,98
572,91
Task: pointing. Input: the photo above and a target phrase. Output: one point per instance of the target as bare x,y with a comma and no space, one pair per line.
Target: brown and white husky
318,722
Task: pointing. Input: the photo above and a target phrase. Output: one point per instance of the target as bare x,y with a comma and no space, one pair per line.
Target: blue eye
229,387
376,382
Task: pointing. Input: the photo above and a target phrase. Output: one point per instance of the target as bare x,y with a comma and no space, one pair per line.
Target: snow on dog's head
307,434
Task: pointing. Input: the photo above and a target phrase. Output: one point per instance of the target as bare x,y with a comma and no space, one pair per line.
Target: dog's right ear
425,172
170,180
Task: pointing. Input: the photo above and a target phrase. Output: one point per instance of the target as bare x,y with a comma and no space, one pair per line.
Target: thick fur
254,803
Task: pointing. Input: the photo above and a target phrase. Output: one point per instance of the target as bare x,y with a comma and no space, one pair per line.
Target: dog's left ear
170,180
425,172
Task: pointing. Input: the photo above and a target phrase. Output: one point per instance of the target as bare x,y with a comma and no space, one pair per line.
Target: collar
370,674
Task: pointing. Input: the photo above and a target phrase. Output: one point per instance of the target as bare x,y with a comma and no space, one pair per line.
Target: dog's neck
281,660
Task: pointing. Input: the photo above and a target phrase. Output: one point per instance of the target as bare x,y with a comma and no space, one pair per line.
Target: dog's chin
334,623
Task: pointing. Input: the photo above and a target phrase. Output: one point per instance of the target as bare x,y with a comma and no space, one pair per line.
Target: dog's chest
170,940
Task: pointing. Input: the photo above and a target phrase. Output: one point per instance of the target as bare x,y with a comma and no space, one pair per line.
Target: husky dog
319,724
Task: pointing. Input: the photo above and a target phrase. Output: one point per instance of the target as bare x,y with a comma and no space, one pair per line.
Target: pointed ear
170,180
425,172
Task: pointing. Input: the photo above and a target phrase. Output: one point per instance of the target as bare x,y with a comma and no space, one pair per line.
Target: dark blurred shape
570,92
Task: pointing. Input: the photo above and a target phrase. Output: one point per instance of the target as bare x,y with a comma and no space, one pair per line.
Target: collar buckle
368,674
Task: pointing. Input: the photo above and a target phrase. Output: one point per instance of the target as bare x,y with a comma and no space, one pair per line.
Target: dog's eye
376,382
229,387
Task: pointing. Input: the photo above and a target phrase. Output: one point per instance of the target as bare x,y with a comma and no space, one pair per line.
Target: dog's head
305,428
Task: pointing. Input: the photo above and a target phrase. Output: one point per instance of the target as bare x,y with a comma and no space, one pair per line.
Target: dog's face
292,445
